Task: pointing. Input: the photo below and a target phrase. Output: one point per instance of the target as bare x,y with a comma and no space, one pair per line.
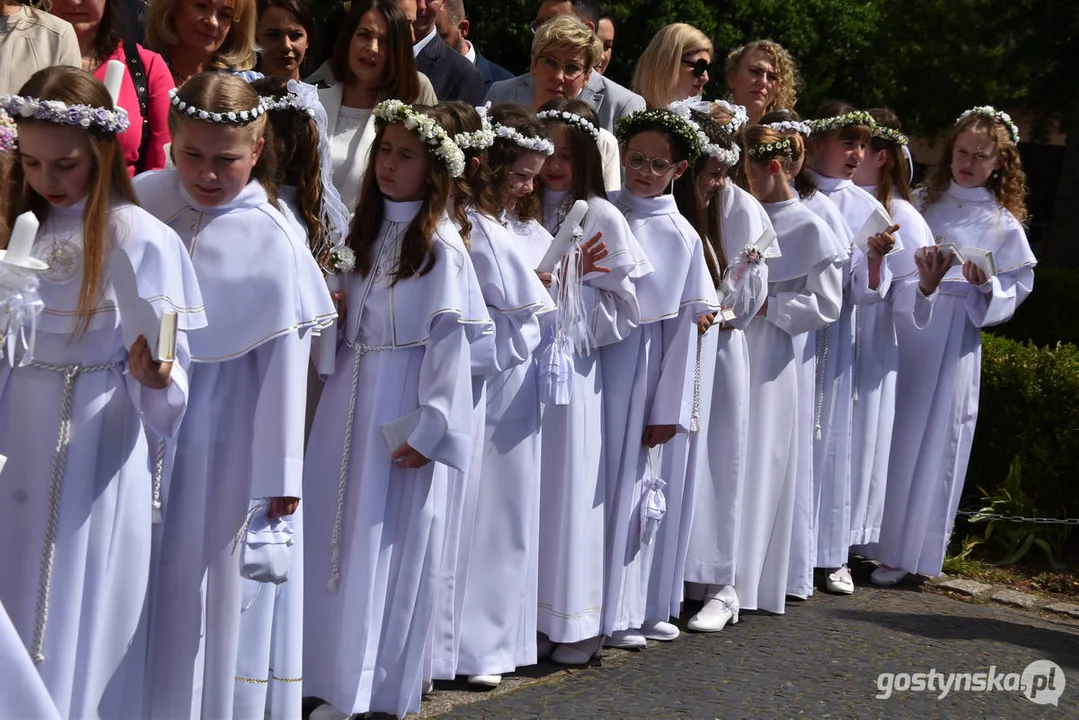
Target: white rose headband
789,126
569,118
539,145
196,113
999,115
739,116
56,111
429,132
482,138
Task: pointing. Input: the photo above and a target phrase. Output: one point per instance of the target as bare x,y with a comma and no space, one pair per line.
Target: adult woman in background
674,66
762,77
198,35
284,32
372,61
145,89
31,40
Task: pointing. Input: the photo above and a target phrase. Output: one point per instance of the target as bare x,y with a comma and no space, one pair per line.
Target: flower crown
293,99
789,126
727,156
999,115
535,144
482,138
427,130
56,111
890,134
9,134
243,116
854,117
771,149
684,129
567,117
739,117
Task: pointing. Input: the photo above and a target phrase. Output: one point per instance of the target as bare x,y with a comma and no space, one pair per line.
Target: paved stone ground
820,660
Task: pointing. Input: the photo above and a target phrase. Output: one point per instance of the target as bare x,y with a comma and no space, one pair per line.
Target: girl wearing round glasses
674,66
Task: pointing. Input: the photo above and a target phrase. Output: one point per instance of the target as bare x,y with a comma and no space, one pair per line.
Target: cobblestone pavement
821,660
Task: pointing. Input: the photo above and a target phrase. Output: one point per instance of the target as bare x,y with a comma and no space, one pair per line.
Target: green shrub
1028,409
1043,318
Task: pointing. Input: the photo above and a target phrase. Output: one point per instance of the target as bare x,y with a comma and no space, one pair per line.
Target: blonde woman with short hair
198,35
674,66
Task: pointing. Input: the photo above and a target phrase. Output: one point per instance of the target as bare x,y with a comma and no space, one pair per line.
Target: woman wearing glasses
674,66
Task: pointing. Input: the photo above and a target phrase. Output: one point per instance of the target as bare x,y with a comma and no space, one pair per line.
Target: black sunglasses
700,67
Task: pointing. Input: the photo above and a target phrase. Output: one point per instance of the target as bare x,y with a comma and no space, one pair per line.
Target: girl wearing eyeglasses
674,66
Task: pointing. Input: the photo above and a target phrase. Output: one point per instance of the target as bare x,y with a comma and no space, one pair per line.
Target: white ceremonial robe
878,368
242,442
22,692
374,528
498,624
574,446
91,627
805,294
939,376
650,375
718,454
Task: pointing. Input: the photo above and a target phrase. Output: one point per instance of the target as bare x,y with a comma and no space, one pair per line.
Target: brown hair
803,181
301,11
708,219
237,52
894,175
110,181
223,92
401,81
660,65
787,81
417,256
587,161
504,153
759,136
473,190
1008,184
294,138
108,34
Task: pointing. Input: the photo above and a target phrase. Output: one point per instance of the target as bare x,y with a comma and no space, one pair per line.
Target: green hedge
1029,407
1046,317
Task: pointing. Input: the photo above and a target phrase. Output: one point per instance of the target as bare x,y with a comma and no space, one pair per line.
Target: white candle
22,237
564,240
114,75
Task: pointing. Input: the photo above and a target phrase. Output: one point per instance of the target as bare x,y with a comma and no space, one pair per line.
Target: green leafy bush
1043,318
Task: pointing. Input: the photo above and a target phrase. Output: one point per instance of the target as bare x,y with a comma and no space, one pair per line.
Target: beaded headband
197,113
9,134
482,138
890,134
535,144
56,111
429,132
570,119
684,129
739,117
761,151
855,117
789,126
999,115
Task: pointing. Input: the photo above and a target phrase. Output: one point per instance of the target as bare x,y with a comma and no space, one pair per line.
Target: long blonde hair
108,183
660,64
237,52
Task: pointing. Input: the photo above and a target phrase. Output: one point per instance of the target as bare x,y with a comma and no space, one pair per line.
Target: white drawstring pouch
265,550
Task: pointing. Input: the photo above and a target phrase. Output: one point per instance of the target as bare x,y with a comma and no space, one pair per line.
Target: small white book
945,248
875,224
983,259
137,316
397,432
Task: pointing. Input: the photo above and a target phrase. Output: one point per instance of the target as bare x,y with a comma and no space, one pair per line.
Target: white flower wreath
891,134
482,138
570,119
789,126
855,117
535,144
427,130
243,116
739,116
999,115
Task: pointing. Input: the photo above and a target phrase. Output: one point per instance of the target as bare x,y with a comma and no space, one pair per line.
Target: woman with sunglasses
674,66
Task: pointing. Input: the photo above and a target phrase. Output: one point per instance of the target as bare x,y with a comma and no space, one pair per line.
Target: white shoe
581,652
485,680
718,610
840,581
428,687
627,640
885,576
660,630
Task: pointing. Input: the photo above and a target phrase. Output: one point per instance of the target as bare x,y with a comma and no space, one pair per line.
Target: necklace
63,256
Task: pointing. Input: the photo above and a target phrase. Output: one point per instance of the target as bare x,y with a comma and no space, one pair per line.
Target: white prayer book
945,248
397,432
563,241
875,224
983,259
137,316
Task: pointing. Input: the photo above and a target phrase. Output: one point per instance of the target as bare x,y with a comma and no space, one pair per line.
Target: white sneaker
581,652
885,576
627,640
840,581
485,680
718,610
660,630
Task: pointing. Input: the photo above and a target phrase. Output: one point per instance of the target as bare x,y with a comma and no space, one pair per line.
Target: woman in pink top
97,25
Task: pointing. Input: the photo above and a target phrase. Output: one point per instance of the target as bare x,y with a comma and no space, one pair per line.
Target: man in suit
453,77
453,26
605,30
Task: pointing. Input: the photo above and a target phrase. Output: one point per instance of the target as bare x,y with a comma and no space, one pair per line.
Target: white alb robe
407,347
937,391
91,627
242,443
573,443
805,294
22,692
